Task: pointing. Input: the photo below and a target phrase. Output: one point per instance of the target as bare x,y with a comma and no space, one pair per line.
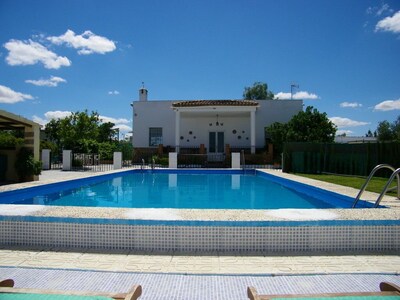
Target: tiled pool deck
204,277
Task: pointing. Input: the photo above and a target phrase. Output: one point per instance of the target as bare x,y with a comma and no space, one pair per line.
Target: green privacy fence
350,159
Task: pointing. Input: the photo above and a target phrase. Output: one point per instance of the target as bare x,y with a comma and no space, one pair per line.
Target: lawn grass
375,185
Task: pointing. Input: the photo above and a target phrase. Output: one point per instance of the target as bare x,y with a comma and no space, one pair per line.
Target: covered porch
212,125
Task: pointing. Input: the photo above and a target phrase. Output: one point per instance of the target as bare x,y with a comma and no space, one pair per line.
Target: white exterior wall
200,127
160,114
148,114
271,111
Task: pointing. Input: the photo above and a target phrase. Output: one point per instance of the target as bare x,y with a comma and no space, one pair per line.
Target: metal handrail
378,167
395,173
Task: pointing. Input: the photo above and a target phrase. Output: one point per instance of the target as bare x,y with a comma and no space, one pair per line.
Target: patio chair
387,289
8,292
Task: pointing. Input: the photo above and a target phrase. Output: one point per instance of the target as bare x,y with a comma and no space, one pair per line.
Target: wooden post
202,149
227,149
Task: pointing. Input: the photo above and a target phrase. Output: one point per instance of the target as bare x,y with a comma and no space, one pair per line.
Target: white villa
210,125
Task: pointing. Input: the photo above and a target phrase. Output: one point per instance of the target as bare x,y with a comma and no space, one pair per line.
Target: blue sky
63,56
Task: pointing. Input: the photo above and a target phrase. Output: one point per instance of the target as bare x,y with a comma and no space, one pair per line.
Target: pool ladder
386,187
142,166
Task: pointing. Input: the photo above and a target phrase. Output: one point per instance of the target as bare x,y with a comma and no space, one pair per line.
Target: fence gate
90,162
56,161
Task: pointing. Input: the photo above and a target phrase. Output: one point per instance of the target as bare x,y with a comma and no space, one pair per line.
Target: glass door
216,142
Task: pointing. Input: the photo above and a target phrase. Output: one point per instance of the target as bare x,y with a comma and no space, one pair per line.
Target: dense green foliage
311,126
387,131
84,133
259,91
307,126
127,150
80,132
10,139
26,165
277,133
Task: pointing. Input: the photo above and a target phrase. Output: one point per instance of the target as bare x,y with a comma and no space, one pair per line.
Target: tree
307,126
9,139
396,129
26,165
311,126
259,91
385,132
79,132
52,131
369,133
276,132
106,132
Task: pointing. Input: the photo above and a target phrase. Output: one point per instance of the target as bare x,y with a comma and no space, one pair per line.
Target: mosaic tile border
161,238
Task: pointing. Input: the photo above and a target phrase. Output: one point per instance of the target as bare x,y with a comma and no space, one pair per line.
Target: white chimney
143,93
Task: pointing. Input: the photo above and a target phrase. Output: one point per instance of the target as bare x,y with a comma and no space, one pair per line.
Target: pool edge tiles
260,238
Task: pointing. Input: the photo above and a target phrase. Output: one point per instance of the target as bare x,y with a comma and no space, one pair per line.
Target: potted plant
26,165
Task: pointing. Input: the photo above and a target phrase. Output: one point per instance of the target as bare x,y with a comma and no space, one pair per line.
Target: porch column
177,130
253,132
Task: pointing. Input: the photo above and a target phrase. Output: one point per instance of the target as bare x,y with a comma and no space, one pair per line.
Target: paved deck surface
194,277
193,287
196,264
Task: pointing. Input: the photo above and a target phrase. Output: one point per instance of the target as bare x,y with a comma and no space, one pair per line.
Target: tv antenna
292,86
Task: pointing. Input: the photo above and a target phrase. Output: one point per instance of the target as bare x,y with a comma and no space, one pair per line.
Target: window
155,136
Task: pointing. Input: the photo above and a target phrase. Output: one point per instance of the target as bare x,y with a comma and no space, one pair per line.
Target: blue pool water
199,190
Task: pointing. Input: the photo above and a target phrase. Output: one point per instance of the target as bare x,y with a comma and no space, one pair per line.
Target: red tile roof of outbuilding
194,103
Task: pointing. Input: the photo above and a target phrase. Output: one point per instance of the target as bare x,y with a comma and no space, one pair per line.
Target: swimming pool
223,231
201,189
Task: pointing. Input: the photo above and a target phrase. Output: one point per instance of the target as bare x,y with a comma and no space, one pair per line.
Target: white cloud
86,43
10,96
379,10
385,7
388,105
347,132
301,95
345,122
113,93
105,119
119,123
30,53
53,81
39,120
123,128
57,114
391,24
350,104
282,95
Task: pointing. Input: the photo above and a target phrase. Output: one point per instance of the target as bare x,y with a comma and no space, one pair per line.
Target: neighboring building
207,124
355,139
9,121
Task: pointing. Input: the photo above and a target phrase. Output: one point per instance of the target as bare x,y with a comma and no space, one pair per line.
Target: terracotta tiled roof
194,103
